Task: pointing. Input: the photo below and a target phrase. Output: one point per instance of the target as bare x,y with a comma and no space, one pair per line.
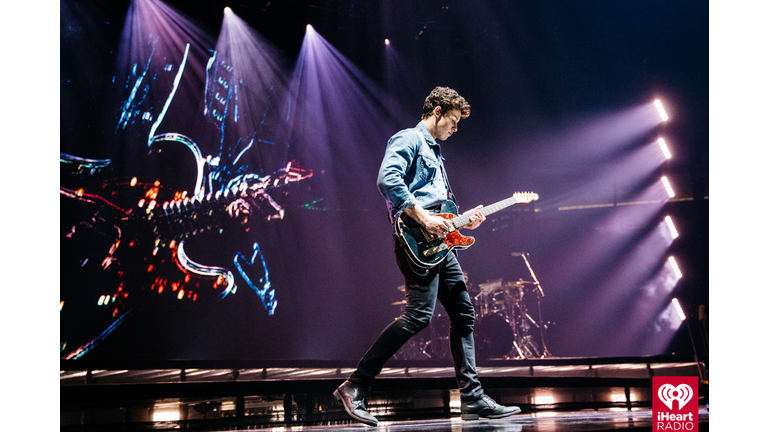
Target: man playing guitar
413,182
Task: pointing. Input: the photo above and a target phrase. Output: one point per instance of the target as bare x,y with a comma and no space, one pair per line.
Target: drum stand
539,294
523,345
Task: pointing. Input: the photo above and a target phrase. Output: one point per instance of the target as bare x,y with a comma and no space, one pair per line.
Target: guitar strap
451,196
440,159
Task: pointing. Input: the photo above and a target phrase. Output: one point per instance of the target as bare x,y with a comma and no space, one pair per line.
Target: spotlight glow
664,148
671,226
310,28
668,187
227,10
679,309
622,397
676,269
386,42
662,113
166,415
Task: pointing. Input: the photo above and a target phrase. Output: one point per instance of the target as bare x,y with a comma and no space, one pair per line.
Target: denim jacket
412,171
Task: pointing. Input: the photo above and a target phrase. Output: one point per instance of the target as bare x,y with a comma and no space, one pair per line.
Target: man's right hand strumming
435,225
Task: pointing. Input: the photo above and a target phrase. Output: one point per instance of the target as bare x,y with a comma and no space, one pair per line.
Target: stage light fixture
668,187
679,309
454,404
386,42
310,28
676,269
622,397
166,415
662,113
227,10
664,148
671,226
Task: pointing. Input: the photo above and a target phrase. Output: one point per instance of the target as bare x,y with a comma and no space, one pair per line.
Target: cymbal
490,286
521,282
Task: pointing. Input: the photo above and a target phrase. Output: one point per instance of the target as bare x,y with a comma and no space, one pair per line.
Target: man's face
446,124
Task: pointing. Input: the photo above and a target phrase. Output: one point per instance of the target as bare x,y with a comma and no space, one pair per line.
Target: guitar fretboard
463,220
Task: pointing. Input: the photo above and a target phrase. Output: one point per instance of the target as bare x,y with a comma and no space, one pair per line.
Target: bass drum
493,337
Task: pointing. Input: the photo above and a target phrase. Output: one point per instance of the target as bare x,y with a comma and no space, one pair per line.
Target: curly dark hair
447,99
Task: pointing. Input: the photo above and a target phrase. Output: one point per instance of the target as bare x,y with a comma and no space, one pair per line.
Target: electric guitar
427,250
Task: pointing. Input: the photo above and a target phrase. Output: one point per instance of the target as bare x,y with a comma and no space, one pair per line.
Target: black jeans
444,282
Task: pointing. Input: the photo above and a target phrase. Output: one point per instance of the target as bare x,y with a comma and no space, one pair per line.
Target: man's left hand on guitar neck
475,220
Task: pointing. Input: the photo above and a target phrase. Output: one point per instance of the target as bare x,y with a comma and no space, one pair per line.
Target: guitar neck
463,220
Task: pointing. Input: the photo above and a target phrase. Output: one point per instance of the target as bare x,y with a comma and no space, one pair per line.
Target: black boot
352,396
486,407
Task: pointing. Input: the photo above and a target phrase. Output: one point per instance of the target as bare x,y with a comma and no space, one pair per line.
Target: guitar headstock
525,197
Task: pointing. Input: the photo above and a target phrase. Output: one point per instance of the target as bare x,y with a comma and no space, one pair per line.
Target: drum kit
504,327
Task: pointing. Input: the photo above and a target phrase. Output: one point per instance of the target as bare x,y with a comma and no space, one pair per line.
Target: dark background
535,75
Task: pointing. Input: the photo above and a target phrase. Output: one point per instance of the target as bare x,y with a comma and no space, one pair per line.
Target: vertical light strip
662,113
675,267
668,187
664,148
679,309
671,226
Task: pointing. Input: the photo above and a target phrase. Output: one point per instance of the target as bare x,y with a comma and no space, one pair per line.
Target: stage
555,394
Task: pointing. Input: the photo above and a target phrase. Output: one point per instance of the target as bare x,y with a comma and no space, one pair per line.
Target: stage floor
555,395
548,421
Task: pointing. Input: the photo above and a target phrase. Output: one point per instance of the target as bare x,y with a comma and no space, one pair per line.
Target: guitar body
427,250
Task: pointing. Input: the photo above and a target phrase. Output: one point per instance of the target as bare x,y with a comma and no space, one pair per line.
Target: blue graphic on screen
262,286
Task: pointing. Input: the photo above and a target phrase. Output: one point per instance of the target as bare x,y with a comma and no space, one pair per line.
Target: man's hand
438,226
476,220
433,224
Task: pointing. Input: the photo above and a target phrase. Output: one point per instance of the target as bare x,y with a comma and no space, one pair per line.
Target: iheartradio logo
669,394
671,416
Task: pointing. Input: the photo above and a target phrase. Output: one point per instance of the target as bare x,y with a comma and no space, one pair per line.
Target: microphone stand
546,352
